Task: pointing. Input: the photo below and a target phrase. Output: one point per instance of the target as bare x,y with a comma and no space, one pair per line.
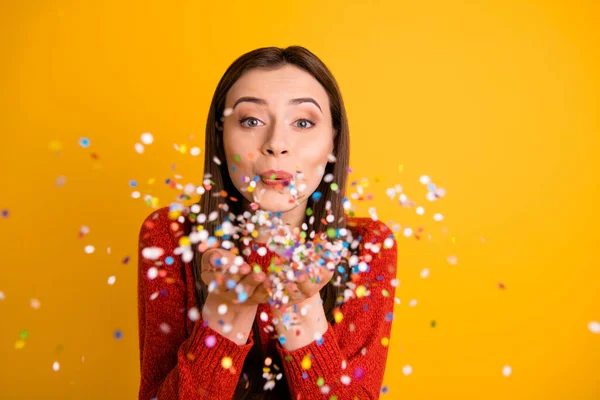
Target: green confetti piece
237,158
433,323
334,186
331,232
309,211
24,334
320,382
257,269
385,293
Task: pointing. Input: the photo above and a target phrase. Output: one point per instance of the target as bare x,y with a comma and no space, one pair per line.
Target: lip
281,177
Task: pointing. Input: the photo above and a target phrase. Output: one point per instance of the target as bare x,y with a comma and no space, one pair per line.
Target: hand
231,280
308,284
234,294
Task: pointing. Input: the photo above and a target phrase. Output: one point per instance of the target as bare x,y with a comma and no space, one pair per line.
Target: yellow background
496,101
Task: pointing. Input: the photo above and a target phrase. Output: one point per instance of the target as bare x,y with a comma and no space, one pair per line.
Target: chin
274,201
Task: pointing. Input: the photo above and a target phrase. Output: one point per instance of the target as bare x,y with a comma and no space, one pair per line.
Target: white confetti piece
147,138
152,273
193,314
407,370
413,302
139,148
89,249
35,304
55,366
111,280
425,273
452,260
594,327
438,217
222,309
195,151
507,370
227,112
135,195
424,179
420,210
2,297
152,253
262,251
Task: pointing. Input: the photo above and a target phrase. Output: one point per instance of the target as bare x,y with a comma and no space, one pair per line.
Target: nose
276,145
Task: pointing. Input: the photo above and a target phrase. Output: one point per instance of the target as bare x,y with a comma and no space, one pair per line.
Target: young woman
210,325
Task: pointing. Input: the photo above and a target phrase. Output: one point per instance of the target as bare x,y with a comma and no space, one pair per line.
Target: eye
306,121
251,119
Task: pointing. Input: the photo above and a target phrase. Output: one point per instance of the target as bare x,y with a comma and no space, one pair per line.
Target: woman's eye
254,122
305,122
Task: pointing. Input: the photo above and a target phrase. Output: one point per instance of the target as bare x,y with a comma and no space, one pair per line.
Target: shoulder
376,244
160,229
369,230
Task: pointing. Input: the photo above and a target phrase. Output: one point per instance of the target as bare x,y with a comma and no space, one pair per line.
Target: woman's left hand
308,284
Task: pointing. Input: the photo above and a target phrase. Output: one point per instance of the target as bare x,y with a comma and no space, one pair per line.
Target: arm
349,361
173,365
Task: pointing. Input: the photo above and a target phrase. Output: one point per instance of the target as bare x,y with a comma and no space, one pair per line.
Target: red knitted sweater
176,363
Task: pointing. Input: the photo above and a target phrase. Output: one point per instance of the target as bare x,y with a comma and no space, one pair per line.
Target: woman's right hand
225,310
224,268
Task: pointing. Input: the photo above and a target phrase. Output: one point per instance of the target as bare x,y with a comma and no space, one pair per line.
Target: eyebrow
263,102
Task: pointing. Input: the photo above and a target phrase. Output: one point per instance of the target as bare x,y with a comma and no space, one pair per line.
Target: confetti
2,297
147,138
433,324
55,366
594,327
55,146
227,362
425,273
118,334
452,260
89,249
385,342
413,302
407,370
152,273
35,304
438,217
195,151
139,148
306,362
84,142
507,370
111,280
61,180
194,314
4,213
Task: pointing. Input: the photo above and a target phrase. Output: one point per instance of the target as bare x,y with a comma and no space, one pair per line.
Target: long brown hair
271,58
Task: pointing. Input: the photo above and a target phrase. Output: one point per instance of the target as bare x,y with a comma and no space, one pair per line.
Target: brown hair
271,58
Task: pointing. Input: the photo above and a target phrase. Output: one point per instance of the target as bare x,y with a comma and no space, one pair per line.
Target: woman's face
277,129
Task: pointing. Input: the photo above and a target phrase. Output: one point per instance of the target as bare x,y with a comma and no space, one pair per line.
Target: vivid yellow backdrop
497,102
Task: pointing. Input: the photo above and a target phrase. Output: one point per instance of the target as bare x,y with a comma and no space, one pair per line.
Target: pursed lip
274,176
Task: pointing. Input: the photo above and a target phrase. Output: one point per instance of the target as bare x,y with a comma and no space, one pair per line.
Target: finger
247,286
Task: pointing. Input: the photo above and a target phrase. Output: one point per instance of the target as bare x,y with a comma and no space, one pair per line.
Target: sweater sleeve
349,361
173,364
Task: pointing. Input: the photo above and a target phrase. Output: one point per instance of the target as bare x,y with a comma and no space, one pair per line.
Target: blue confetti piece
242,297
304,375
389,317
282,340
118,334
431,187
316,196
132,183
233,168
231,284
169,260
84,142
384,389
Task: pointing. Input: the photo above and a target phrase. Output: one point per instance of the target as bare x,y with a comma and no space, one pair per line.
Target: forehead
278,85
